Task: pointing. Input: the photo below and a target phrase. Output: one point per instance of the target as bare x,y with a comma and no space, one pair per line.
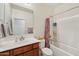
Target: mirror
22,20
2,12
19,26
16,19
5,17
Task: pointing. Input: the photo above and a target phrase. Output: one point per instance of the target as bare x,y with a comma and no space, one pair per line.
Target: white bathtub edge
52,46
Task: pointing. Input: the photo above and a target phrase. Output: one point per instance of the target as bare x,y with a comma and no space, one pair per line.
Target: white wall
41,12
66,10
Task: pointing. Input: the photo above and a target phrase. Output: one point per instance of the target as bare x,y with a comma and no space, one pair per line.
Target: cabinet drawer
36,45
30,53
6,53
36,52
27,48
20,54
18,51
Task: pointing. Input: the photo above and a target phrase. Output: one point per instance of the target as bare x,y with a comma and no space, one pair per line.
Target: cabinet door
20,54
18,51
36,52
30,53
27,48
36,45
6,53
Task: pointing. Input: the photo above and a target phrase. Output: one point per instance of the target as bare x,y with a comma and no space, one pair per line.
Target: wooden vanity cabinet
36,52
28,50
36,49
17,51
6,53
30,53
36,45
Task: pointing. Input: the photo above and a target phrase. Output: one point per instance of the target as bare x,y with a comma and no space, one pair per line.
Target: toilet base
47,52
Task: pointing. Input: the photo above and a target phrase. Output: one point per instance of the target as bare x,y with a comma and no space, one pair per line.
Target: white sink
11,44
17,41
6,42
14,41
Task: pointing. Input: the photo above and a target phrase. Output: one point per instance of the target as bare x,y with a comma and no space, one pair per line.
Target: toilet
45,51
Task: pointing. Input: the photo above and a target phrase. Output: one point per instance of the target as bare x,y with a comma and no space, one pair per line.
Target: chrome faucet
19,39
22,38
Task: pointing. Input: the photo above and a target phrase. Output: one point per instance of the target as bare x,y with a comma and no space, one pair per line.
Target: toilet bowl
45,51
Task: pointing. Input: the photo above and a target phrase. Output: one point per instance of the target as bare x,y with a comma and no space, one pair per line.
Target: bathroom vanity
27,50
23,48
18,21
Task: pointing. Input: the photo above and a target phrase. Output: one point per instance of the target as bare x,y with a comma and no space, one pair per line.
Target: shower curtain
47,32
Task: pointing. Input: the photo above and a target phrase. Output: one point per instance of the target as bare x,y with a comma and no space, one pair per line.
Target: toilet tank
42,43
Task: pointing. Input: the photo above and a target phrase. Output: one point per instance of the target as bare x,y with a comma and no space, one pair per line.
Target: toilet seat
47,51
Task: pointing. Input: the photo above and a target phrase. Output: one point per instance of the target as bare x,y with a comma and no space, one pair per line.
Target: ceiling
52,5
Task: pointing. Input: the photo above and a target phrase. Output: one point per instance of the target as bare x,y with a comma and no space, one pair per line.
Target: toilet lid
47,51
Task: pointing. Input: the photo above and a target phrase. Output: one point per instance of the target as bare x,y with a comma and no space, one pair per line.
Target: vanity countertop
9,46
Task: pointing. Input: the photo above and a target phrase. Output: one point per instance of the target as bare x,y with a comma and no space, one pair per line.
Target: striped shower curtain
47,32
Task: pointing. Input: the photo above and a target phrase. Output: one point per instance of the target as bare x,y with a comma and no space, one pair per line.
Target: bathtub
64,50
